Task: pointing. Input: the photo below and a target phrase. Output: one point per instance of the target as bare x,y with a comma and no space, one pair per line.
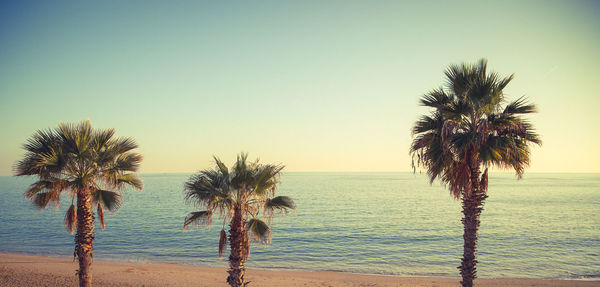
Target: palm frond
103,137
127,162
71,219
207,188
428,124
259,230
42,141
222,242
241,174
101,216
123,145
504,82
436,99
265,179
77,138
221,166
41,199
109,199
280,203
457,80
36,187
519,106
130,179
49,184
484,180
43,157
198,217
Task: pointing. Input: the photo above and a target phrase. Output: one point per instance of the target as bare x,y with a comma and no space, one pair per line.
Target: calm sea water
543,226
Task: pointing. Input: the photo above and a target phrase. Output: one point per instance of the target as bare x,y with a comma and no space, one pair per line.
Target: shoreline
31,270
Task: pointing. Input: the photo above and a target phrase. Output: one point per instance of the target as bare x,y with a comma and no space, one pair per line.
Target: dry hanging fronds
484,180
222,242
71,219
101,215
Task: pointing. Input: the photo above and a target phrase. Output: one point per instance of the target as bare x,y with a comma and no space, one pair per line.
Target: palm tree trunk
472,204
84,240
238,242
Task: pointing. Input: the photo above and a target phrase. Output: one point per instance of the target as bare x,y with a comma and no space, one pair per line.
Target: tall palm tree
472,127
240,195
91,166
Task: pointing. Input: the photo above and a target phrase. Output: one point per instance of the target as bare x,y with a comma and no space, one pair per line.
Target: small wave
589,276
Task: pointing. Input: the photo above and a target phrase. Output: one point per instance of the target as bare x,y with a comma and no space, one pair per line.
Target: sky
313,85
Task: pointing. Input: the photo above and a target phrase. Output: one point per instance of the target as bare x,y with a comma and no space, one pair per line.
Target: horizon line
417,172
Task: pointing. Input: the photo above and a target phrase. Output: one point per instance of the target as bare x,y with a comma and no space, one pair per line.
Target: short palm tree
239,195
91,166
470,128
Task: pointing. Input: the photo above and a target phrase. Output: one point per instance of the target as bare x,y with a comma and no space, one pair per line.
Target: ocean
542,226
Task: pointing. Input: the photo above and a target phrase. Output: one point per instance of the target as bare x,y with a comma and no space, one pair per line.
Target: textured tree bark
84,240
238,242
472,204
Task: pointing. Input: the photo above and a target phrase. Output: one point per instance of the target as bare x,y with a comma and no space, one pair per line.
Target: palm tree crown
91,166
240,195
469,125
77,157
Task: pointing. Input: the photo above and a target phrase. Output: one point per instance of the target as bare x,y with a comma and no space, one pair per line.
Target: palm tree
471,128
240,195
90,166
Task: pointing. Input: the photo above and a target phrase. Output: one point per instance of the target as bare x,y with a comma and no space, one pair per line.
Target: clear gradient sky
315,85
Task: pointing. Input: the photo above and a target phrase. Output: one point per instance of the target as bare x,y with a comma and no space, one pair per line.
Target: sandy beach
26,270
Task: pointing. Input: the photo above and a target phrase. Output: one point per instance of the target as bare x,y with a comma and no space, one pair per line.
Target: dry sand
26,270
